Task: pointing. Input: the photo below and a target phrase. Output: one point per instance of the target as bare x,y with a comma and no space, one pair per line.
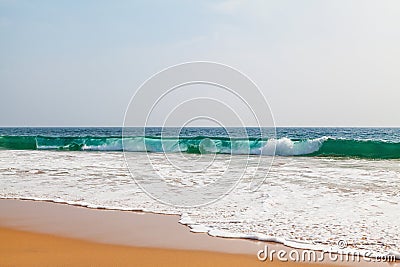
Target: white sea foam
302,200
286,147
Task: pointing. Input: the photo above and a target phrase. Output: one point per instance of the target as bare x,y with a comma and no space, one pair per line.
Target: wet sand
36,233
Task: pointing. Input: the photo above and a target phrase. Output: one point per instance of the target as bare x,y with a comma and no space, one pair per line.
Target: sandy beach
31,249
36,233
200,133
20,248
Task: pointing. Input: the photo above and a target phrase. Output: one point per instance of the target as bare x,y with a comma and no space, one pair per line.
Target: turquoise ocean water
324,184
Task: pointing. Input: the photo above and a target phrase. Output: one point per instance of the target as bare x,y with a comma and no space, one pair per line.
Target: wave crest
286,147
323,146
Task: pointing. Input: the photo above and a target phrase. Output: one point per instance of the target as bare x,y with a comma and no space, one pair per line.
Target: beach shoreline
118,231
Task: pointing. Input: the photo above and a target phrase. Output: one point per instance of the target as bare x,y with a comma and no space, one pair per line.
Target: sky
318,63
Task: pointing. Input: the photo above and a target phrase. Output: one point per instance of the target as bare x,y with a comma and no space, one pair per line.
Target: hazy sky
319,63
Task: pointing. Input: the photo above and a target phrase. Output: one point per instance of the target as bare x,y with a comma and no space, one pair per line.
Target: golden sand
36,233
19,248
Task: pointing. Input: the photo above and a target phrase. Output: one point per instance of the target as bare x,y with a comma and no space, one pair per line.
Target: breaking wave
323,146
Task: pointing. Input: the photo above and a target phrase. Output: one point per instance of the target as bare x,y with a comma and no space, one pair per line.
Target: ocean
316,187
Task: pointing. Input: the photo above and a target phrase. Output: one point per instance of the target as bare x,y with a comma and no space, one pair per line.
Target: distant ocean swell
324,146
